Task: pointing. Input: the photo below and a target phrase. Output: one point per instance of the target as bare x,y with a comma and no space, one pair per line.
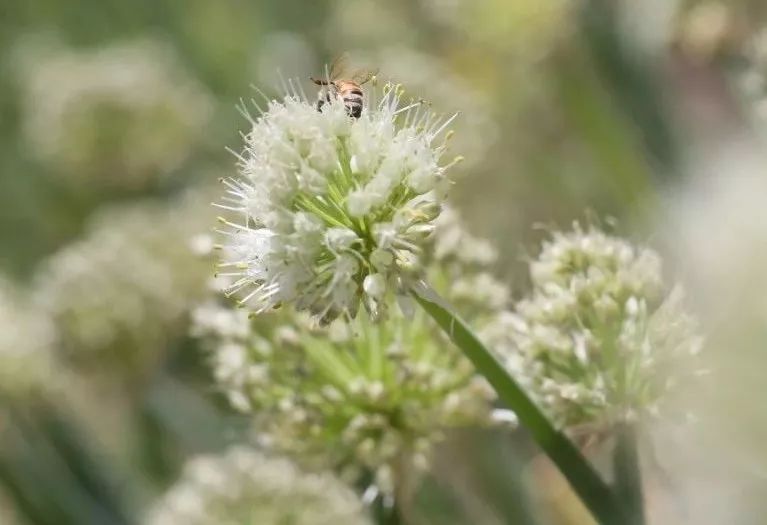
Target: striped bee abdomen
352,99
348,92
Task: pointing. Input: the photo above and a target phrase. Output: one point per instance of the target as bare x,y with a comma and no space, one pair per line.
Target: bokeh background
645,116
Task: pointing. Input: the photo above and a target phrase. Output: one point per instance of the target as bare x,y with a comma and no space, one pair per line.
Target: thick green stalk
587,484
627,474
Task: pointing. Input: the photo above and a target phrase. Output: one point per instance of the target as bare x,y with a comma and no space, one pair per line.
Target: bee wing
338,66
364,75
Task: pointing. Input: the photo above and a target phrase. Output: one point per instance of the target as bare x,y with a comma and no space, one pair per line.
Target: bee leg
322,101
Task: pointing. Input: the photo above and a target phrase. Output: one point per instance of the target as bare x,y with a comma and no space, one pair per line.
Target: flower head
356,395
118,295
332,210
597,340
118,117
243,486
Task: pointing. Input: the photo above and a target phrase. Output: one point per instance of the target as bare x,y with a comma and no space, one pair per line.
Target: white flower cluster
117,295
118,116
245,487
451,241
331,209
596,341
26,344
357,395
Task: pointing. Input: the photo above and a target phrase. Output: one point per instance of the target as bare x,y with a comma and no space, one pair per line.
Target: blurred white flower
597,341
245,487
118,117
718,221
26,345
715,231
649,25
357,395
332,210
453,243
119,294
704,28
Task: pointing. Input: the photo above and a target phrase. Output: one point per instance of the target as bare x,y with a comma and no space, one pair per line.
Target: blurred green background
115,117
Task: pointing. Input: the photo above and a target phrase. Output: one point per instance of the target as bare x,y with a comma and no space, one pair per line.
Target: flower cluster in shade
332,211
116,117
753,78
119,295
597,341
242,486
356,395
26,345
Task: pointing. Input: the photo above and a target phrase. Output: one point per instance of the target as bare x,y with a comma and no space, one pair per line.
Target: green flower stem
592,490
627,474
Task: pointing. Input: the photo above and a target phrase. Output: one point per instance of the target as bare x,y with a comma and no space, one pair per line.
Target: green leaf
587,484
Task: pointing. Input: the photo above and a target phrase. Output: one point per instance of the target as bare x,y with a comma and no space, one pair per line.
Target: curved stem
587,484
628,479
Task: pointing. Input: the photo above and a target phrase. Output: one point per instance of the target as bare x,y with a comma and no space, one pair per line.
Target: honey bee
346,90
